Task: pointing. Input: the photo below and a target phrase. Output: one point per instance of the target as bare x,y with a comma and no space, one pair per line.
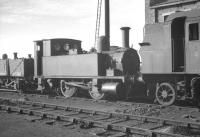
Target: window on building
194,31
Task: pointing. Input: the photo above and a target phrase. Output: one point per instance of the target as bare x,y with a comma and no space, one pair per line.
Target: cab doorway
178,44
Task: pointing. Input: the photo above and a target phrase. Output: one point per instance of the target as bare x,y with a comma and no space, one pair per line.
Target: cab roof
58,39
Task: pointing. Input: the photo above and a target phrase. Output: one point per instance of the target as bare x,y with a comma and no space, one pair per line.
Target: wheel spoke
160,97
162,89
167,88
164,99
160,92
169,91
171,95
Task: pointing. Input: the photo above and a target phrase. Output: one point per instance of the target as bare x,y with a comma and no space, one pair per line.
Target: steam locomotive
170,56
62,64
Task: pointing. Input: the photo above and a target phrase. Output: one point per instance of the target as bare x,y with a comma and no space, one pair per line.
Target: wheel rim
67,91
96,94
165,94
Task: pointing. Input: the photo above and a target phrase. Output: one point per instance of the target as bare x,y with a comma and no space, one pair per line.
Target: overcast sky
23,21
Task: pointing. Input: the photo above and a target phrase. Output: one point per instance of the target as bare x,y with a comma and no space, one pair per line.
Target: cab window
193,31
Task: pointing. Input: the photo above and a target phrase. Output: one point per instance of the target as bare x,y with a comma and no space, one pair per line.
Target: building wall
154,15
149,13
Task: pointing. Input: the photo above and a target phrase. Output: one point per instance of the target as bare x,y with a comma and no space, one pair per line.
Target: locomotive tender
170,55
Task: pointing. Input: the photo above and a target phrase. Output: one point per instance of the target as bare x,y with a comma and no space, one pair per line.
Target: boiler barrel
126,61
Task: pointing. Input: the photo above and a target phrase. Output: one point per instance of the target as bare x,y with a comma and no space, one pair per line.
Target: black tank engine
62,64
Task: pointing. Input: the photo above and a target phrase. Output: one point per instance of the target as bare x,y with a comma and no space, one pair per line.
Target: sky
24,21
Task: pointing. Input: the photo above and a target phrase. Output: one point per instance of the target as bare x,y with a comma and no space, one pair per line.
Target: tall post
107,21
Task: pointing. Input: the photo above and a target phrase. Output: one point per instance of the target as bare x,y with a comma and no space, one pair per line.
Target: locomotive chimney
29,56
15,55
107,22
125,37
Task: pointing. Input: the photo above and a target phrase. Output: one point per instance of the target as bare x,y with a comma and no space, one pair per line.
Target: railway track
124,124
191,113
80,98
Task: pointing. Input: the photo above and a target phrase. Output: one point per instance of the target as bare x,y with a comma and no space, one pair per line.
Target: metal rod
107,20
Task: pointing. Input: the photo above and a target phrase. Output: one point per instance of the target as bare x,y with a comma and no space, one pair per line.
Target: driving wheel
165,94
66,90
96,94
